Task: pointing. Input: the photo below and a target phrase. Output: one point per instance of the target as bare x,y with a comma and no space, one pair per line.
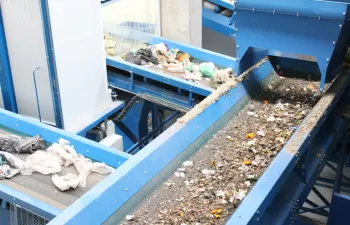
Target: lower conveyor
229,164
40,186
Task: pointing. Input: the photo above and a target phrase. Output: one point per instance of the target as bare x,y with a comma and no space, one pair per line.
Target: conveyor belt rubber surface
211,184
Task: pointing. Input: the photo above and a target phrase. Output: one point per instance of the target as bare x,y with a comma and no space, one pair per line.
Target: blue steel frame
9,195
218,22
296,27
51,134
100,119
50,51
287,28
29,127
118,193
267,202
6,82
129,84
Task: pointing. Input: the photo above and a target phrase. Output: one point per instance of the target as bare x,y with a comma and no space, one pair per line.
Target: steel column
6,83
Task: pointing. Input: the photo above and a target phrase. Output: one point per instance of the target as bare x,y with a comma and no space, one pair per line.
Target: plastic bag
10,165
65,182
42,162
66,157
16,144
207,69
101,168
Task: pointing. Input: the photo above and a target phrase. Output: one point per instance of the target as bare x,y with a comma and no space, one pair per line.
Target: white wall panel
80,59
26,48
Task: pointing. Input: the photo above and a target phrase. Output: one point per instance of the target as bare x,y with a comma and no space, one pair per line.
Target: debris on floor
224,170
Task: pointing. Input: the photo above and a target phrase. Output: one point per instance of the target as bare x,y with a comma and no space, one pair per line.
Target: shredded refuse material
208,187
16,144
175,62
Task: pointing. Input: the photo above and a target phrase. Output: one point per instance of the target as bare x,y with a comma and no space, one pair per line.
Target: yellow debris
247,162
250,136
216,211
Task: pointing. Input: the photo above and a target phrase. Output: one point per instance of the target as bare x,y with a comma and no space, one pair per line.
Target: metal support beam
6,83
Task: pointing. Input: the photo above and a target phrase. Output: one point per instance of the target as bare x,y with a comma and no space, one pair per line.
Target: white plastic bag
42,162
65,182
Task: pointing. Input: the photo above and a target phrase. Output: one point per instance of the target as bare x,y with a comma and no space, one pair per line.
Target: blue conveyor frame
168,82
291,29
291,175
136,176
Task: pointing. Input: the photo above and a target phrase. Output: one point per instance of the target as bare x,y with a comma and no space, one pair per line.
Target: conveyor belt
182,200
41,187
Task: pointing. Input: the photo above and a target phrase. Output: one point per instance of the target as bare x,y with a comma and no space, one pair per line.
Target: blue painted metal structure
102,117
167,87
6,83
110,198
51,134
289,29
50,51
11,196
278,195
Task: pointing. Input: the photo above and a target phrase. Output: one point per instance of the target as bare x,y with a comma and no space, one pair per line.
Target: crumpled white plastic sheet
65,182
60,155
63,154
42,162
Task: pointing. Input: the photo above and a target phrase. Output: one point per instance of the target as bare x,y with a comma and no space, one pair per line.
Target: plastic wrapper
16,144
10,165
42,162
65,182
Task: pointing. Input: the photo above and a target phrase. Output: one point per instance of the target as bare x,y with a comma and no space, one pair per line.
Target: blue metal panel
114,191
51,134
339,211
287,34
262,194
224,3
160,76
122,82
6,83
294,191
12,196
136,119
127,142
50,51
4,216
217,22
307,8
100,119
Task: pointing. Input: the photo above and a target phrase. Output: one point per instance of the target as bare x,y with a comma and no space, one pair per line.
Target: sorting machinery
64,94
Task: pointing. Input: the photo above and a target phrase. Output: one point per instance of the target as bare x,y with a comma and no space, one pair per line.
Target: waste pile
50,161
174,61
208,187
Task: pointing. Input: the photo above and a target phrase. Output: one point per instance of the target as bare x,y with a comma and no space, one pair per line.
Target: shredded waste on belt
48,161
171,60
